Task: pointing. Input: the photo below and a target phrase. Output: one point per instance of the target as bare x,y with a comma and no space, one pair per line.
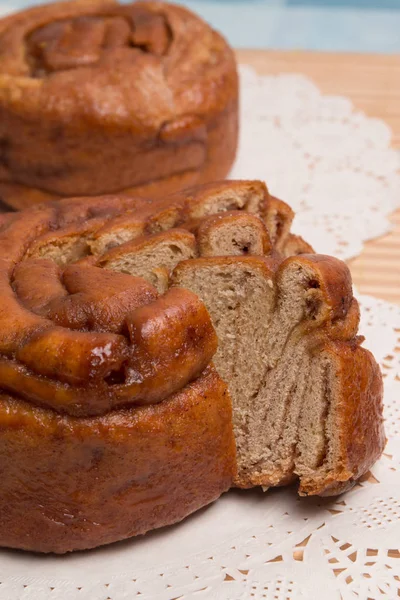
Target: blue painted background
347,25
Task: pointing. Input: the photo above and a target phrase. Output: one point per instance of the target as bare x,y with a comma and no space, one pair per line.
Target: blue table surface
335,25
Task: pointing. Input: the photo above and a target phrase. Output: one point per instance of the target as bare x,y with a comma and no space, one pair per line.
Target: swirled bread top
87,319
141,64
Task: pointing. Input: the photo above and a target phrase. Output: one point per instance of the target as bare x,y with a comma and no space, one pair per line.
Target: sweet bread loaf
111,407
98,97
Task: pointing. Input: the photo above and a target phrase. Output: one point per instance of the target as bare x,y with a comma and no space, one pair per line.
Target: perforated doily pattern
332,164
335,168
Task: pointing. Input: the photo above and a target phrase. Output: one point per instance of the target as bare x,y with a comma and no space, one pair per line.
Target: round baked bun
98,97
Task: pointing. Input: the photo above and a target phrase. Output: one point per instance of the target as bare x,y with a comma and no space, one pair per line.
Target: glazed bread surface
98,97
112,419
110,312
307,397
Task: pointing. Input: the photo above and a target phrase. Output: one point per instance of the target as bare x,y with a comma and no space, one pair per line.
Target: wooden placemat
372,82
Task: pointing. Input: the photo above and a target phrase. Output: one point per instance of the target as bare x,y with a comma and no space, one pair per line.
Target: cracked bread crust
75,115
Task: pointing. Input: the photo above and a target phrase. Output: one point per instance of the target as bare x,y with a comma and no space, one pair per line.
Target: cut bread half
307,398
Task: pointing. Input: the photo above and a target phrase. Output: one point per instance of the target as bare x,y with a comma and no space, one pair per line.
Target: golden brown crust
84,329
173,342
68,340
330,285
221,196
77,341
84,72
358,419
114,476
89,373
82,349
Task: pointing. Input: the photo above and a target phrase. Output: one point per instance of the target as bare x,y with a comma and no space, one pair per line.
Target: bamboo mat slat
372,82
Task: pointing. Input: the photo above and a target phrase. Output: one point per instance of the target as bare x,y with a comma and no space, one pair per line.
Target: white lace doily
331,164
334,166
